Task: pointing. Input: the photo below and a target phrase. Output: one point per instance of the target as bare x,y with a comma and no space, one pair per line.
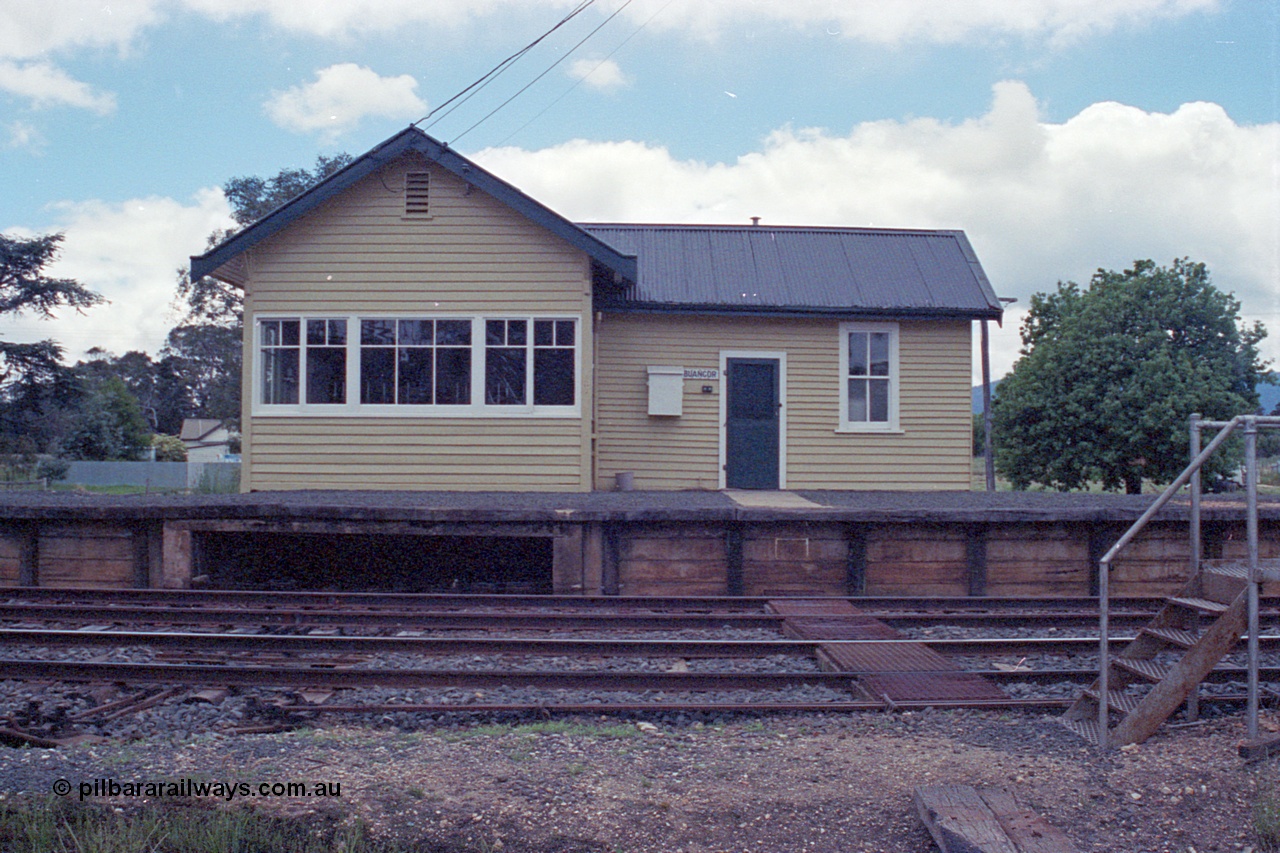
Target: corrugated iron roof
758,268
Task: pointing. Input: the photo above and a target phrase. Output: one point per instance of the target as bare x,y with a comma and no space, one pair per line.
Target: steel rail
708,707
324,644
329,676
505,620
459,620
451,600
294,676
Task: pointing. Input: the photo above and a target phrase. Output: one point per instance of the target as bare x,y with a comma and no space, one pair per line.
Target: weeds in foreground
60,826
1266,821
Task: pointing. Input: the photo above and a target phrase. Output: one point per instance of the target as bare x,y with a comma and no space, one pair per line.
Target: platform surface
636,506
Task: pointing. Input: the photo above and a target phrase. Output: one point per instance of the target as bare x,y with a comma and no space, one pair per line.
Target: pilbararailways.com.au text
228,791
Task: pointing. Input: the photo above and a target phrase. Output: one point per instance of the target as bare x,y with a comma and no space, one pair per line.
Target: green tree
200,366
38,392
169,448
110,426
1109,375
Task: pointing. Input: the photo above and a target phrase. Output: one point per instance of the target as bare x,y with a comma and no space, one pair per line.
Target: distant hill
1269,395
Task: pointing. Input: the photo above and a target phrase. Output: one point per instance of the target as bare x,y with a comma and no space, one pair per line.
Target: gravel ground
681,785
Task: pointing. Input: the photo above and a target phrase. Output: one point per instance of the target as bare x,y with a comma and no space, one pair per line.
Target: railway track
327,644
339,646
533,613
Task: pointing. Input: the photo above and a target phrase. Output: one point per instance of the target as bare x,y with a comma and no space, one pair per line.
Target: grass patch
106,490
67,826
1266,821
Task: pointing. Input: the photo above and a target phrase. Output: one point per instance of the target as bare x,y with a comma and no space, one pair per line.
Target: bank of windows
520,363
869,392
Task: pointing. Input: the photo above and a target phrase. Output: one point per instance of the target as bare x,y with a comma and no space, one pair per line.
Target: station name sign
701,373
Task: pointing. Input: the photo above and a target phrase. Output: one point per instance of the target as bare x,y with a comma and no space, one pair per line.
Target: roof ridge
808,229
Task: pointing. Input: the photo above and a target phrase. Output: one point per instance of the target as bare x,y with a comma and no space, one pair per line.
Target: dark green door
751,434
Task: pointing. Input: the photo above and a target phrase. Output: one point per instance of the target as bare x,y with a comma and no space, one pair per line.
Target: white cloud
24,135
341,96
45,85
337,19
35,28
129,253
926,20
864,20
1040,202
604,75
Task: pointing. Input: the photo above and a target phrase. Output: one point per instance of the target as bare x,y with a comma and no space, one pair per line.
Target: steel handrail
1104,568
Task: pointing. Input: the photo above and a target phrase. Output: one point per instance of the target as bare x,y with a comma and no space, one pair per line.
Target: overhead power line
502,66
548,70
580,80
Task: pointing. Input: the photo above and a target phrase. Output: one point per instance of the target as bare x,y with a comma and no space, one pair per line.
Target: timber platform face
766,544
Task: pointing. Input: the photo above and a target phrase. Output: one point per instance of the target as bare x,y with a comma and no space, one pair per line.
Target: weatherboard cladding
827,270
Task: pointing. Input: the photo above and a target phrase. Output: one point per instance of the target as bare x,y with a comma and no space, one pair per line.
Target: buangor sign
701,373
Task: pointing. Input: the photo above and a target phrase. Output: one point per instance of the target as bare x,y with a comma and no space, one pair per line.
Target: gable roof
799,270
778,270
224,260
199,429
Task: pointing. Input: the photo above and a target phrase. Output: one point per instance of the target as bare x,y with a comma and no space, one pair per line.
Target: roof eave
802,311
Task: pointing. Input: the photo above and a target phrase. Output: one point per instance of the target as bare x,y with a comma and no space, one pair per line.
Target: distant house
414,322
207,440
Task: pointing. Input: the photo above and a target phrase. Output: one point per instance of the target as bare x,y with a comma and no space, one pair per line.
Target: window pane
544,333
857,353
377,375
271,333
453,376
553,377
504,376
415,333
564,333
289,332
858,400
880,354
326,373
415,376
495,332
456,332
280,376
879,400
315,332
517,333
377,332
337,331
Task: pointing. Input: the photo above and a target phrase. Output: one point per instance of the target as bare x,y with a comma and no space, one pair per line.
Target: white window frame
353,408
892,424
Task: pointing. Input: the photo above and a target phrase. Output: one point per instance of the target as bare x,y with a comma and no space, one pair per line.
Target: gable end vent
417,189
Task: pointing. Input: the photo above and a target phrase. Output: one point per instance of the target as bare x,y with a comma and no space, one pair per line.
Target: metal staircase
1194,629
1172,654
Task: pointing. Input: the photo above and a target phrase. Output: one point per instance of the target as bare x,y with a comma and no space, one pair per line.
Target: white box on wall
666,390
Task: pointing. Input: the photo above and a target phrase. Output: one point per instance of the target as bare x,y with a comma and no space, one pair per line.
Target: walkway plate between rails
891,671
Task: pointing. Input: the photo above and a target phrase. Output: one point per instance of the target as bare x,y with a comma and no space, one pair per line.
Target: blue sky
1061,135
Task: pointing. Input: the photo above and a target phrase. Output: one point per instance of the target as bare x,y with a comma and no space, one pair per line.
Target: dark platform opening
375,563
